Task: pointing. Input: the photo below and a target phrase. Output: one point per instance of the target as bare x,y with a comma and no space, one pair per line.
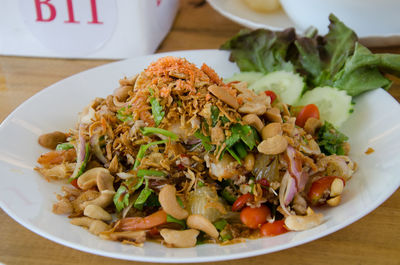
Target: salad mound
178,156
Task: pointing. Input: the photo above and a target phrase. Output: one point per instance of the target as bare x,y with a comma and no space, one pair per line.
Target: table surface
372,240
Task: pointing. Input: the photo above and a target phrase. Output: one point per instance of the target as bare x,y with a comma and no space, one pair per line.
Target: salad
178,156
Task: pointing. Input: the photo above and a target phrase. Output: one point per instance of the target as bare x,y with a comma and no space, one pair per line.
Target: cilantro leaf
205,140
331,140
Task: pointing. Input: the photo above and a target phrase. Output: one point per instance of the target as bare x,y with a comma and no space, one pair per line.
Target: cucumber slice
287,85
248,77
334,105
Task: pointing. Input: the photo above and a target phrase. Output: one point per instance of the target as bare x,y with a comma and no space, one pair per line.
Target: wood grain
372,240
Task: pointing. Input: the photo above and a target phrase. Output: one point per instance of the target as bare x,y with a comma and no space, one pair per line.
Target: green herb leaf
143,196
123,116
142,151
331,140
234,155
153,130
247,133
64,146
214,115
171,219
240,149
150,172
228,195
220,224
205,140
156,109
121,198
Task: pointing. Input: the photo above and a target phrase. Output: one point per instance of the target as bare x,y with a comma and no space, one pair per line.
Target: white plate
28,198
240,13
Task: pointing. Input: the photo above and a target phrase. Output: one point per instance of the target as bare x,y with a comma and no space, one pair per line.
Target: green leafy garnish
156,109
228,195
205,140
64,146
171,219
224,233
142,151
143,196
214,115
240,149
121,198
180,202
247,133
331,140
261,50
122,115
150,172
220,224
153,130
336,59
234,155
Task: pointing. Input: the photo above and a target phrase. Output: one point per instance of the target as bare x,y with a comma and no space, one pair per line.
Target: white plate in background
28,198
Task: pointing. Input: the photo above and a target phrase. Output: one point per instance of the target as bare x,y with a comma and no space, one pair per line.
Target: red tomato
305,113
319,187
271,94
241,201
75,183
255,217
263,182
273,229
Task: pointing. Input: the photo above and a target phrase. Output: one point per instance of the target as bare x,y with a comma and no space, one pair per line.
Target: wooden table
372,240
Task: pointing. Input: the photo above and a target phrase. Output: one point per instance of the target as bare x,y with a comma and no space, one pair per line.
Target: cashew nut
298,222
270,130
95,226
121,93
273,146
51,140
199,222
96,176
334,201
311,125
274,115
96,212
167,198
224,95
105,198
336,187
253,120
180,239
249,162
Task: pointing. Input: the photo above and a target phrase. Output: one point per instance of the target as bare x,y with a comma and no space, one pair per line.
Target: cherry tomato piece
319,187
308,111
273,229
270,94
241,201
255,217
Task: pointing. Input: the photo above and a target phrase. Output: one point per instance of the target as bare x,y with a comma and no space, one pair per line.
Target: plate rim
122,256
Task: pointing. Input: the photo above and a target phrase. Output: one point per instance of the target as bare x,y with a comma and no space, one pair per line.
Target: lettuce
336,59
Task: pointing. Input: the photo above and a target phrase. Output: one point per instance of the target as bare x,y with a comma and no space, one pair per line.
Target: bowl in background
367,18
